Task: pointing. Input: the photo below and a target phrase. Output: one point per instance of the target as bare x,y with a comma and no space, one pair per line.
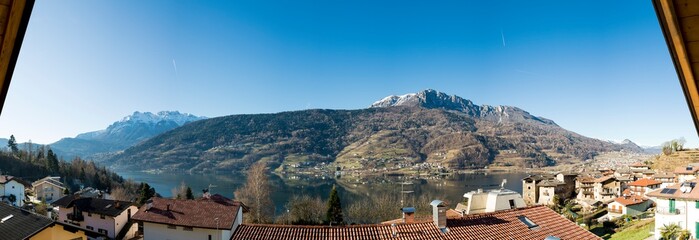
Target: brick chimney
408,214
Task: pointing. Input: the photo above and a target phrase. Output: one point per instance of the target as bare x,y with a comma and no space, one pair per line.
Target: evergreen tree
96,182
51,162
145,193
12,144
334,213
190,195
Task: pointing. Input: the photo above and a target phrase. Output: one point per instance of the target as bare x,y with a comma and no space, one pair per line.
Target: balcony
614,211
76,217
666,211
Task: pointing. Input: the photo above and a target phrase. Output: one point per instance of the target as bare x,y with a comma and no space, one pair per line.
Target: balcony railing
76,217
614,210
666,211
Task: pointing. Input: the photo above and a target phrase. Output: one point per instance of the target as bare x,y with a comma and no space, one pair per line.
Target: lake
451,187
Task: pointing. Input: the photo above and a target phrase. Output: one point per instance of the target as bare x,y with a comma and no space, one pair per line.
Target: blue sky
599,68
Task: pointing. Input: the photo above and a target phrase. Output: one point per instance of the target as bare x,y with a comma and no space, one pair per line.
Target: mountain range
425,127
120,135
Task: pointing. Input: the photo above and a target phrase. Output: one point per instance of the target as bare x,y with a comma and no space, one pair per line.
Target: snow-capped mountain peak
151,118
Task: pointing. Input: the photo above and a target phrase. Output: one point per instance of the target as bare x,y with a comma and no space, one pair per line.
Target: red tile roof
630,200
604,179
498,225
199,213
638,164
644,182
684,170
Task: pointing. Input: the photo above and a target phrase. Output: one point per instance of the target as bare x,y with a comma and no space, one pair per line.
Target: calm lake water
451,187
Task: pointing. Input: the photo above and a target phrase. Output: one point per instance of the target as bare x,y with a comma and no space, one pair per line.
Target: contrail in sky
503,37
174,64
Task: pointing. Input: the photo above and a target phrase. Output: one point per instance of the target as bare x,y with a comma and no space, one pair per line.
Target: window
99,230
171,226
102,216
696,205
672,205
188,229
89,214
528,222
512,204
90,228
210,234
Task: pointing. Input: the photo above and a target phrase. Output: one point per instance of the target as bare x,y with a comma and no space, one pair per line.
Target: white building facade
11,186
677,204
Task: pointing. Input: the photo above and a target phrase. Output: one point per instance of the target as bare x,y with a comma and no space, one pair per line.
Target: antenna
502,185
403,192
211,186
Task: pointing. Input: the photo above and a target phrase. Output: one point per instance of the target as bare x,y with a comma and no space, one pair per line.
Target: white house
48,189
628,204
210,217
109,217
490,201
678,204
12,187
687,173
643,186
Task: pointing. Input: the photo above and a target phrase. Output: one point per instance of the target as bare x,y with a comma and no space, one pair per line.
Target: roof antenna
502,185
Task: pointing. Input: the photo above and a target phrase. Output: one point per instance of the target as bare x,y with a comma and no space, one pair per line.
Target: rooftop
20,224
644,182
675,192
539,222
630,200
51,180
686,170
6,178
199,213
93,205
638,164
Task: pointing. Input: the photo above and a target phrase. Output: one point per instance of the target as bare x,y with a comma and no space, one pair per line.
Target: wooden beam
12,37
675,33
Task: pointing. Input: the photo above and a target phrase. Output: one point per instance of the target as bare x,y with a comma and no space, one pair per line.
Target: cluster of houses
631,191
494,214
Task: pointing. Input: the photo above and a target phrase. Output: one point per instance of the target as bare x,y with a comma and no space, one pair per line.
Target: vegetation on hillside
398,136
36,163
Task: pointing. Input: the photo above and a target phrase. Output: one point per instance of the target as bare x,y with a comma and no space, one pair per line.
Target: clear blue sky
599,68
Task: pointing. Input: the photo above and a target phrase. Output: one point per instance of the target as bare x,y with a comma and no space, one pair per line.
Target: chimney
149,204
408,214
168,207
439,215
206,194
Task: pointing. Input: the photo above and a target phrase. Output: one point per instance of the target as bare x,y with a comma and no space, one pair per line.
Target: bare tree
180,192
303,210
120,194
256,194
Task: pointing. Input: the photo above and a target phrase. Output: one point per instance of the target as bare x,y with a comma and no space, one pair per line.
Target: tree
189,193
42,207
180,192
12,198
334,212
303,210
684,235
146,192
52,162
119,193
670,232
256,194
12,144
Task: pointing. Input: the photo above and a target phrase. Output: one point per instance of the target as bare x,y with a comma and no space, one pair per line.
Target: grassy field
639,230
